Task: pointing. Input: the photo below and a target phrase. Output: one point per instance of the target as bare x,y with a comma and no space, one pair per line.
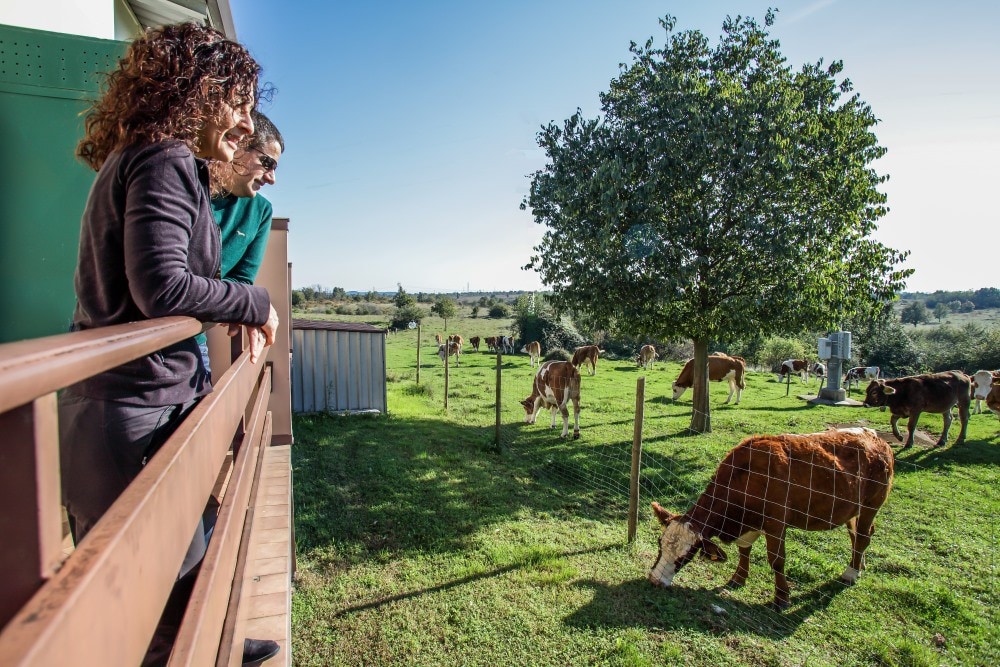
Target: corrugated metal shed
337,367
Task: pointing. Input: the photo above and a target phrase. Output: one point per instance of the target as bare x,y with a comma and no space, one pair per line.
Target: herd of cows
816,481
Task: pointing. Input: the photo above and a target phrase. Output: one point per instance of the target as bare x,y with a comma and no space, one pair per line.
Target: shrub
499,310
776,349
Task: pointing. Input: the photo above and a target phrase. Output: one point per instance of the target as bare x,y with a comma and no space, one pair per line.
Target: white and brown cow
982,385
720,367
794,366
646,356
993,399
454,349
533,350
769,483
932,392
587,354
507,343
818,369
858,373
555,385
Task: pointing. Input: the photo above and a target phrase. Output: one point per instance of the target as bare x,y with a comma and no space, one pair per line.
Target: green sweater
244,225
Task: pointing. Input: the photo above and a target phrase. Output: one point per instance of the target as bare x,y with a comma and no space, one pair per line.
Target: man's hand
257,343
270,328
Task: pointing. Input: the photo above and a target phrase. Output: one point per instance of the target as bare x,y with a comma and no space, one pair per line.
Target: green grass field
420,544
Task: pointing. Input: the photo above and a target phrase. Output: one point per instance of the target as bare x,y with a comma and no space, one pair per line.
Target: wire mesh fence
675,467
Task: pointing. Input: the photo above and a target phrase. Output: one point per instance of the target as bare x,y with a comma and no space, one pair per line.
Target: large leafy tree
445,308
719,194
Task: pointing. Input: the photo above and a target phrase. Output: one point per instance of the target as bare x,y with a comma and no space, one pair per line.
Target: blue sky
410,126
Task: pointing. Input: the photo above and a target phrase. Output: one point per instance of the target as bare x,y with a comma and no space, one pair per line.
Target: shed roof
327,325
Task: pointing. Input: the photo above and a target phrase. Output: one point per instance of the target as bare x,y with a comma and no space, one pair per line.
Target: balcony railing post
30,515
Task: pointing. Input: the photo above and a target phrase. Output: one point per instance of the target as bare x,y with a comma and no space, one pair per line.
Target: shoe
256,651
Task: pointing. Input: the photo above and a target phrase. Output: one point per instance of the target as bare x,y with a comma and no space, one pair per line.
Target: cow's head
529,408
877,394
678,390
678,545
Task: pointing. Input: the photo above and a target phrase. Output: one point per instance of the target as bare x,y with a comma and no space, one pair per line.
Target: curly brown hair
170,83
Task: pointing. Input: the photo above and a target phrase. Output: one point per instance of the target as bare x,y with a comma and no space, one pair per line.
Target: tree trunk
701,417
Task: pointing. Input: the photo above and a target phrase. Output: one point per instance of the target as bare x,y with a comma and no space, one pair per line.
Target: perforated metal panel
46,80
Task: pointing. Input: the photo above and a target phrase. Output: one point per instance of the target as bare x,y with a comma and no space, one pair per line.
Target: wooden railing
100,605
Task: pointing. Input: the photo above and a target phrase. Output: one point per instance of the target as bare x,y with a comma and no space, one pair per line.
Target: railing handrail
33,368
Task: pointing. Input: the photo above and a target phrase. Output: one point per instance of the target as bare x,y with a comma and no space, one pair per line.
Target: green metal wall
46,81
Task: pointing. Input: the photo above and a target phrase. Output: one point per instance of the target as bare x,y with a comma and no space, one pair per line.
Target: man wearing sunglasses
244,218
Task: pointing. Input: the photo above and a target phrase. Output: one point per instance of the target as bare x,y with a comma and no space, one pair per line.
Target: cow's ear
664,516
712,551
888,391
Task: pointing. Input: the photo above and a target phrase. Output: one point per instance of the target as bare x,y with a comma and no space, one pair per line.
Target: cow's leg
576,417
553,411
776,557
895,429
947,419
861,529
564,410
911,426
963,418
745,544
732,389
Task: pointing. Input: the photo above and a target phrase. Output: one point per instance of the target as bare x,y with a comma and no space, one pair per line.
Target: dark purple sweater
149,247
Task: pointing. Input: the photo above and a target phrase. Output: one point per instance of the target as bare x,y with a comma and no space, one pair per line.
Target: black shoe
256,651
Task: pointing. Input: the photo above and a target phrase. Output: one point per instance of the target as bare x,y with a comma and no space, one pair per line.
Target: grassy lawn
420,544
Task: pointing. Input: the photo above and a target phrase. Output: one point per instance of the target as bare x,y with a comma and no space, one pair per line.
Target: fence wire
674,471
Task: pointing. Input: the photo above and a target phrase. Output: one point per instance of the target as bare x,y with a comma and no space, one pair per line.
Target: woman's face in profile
220,137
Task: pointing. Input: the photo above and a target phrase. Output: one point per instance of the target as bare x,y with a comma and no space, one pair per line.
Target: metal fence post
633,490
499,445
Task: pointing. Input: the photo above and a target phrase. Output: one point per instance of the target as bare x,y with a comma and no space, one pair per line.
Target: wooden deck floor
270,560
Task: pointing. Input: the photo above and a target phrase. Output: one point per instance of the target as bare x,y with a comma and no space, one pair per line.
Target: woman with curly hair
149,247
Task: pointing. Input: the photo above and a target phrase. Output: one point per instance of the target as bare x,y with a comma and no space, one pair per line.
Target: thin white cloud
807,11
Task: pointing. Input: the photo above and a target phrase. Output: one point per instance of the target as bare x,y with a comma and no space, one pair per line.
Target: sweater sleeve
164,198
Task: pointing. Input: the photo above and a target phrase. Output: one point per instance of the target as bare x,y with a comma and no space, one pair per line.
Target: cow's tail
740,371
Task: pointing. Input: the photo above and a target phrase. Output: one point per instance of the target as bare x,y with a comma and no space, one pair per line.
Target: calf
454,349
646,356
456,338
438,339
720,367
770,482
474,342
982,385
507,343
533,350
492,343
819,370
859,373
555,384
934,392
790,366
587,354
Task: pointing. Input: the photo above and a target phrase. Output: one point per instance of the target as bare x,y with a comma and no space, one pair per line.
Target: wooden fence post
447,353
418,354
499,445
633,487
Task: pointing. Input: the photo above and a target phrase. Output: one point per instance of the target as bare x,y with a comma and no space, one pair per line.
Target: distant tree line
985,297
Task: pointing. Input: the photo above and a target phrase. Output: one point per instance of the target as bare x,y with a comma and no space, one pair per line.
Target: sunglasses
266,161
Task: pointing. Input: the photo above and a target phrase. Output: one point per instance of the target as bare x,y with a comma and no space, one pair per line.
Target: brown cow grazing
492,343
790,366
555,385
533,350
933,392
646,356
454,349
720,367
587,354
474,342
770,482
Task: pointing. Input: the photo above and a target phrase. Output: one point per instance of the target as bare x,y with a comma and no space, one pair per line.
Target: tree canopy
720,193
445,308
